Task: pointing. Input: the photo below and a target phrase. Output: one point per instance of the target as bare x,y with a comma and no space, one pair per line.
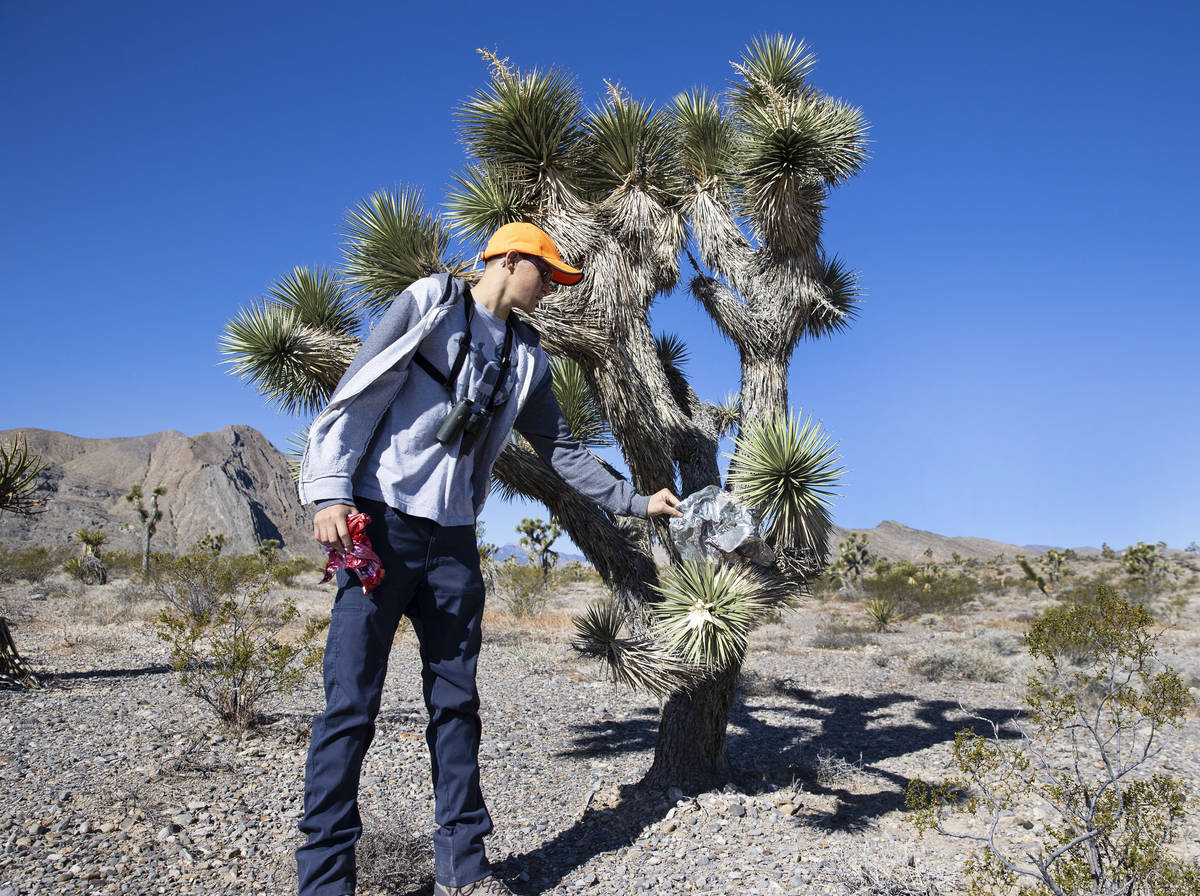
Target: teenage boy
409,437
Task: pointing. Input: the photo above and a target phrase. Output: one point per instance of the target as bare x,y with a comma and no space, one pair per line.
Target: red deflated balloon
361,557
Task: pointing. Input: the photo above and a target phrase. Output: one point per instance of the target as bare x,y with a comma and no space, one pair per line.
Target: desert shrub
59,587
393,858
832,770
840,636
121,564
225,634
996,641
574,571
522,587
88,569
1074,772
755,684
31,565
949,662
288,571
922,589
130,592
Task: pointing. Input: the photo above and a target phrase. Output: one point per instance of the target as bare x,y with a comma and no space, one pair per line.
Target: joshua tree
732,185
537,536
1055,564
1147,565
91,566
149,518
854,555
19,470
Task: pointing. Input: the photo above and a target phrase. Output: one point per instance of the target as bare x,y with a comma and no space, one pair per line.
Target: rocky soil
114,780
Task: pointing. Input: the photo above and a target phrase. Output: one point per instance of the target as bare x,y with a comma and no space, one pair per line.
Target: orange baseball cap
530,240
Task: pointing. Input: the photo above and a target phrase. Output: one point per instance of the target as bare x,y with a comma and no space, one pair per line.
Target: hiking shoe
489,886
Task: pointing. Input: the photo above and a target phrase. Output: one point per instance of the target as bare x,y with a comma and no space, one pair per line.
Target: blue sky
1024,367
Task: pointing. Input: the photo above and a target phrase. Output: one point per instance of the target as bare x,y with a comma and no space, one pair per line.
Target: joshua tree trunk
691,752
146,534
13,670
764,386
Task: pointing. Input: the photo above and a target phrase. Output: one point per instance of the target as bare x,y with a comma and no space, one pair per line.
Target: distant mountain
896,541
232,482
520,555
236,483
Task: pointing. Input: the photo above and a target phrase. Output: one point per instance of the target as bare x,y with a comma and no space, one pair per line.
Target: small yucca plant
883,613
706,612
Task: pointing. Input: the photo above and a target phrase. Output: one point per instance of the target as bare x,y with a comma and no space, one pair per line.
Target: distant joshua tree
149,517
91,566
536,537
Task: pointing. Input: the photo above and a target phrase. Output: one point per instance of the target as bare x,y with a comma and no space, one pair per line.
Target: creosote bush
918,589
950,662
31,565
1098,707
226,634
523,588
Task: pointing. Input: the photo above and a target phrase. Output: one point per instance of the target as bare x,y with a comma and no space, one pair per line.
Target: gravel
115,781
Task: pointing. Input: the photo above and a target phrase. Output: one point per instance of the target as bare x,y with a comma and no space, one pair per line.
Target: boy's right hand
329,526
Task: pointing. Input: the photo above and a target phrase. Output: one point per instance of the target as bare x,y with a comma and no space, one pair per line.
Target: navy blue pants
432,576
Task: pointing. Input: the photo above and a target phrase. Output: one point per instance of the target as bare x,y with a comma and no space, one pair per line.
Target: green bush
1074,773
31,565
839,636
122,564
921,589
574,571
288,571
949,662
523,588
224,631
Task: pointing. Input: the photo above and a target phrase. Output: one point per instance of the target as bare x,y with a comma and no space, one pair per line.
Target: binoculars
465,422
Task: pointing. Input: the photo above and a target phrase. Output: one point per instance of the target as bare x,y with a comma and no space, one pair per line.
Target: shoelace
495,887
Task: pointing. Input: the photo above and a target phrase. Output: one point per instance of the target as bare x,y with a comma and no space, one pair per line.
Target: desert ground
117,780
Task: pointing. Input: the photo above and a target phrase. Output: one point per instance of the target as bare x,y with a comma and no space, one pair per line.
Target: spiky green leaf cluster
579,406
19,471
774,71
294,345
704,137
485,199
631,146
837,306
672,352
529,124
786,469
392,241
706,612
641,663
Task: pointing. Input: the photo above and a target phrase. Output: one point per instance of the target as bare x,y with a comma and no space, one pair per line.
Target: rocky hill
232,482
896,541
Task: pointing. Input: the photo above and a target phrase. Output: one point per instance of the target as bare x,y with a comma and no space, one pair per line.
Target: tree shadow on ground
153,669
774,743
853,730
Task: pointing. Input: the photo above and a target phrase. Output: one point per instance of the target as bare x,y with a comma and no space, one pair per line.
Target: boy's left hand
663,502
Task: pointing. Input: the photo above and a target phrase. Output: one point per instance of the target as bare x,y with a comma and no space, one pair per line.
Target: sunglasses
546,270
